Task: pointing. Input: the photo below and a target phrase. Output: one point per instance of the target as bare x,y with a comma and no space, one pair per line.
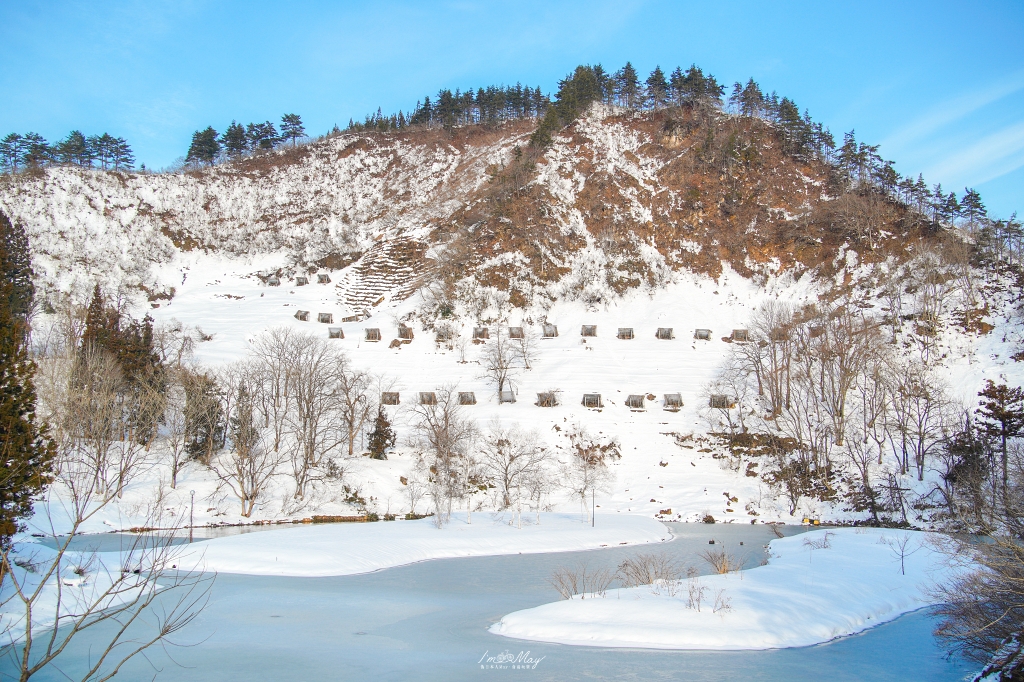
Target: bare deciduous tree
514,461
586,471
174,428
920,415
315,426
445,434
247,469
356,405
526,347
499,359
149,594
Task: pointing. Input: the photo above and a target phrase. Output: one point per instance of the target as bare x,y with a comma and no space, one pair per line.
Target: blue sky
939,85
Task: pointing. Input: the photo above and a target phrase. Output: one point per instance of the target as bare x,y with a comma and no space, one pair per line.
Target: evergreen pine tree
291,127
971,206
751,99
261,135
204,147
1001,416
627,86
73,149
677,88
234,140
101,323
26,453
11,149
36,151
123,156
657,89
17,274
382,437
204,420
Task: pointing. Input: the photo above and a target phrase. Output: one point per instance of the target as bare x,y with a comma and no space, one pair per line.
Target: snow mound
810,592
347,549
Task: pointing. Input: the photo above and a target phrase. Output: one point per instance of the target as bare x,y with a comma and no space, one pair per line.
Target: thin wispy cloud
951,111
992,156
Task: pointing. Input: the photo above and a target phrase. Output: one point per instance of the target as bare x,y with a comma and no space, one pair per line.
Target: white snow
806,594
350,548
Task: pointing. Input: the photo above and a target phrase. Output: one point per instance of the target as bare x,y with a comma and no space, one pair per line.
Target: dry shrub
647,568
721,561
581,580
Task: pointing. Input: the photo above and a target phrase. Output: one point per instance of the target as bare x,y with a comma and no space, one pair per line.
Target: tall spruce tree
26,453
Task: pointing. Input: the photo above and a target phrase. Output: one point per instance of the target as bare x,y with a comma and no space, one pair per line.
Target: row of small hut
300,281
548,331
672,401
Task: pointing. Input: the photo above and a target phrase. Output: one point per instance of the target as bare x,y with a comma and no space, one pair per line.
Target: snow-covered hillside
335,197
195,250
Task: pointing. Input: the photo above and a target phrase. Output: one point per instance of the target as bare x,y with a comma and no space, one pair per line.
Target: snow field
809,592
690,482
218,294
350,548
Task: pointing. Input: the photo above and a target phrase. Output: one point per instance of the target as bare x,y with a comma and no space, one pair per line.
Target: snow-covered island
815,587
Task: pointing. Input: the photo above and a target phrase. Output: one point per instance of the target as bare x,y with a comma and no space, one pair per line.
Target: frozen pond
429,621
122,542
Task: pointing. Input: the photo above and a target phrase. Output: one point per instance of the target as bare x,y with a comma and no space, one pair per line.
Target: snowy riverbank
350,548
811,591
